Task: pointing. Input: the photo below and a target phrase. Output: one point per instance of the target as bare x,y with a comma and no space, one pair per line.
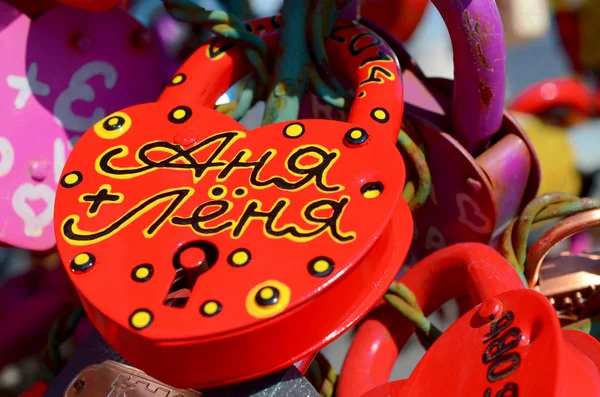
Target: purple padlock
59,75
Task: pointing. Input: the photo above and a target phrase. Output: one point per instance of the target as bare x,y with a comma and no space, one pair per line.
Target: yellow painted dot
321,266
380,114
113,121
211,308
294,130
81,259
177,79
240,258
267,293
356,134
71,179
141,319
372,193
142,272
179,114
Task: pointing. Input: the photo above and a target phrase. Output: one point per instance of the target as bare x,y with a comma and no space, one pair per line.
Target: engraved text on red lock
519,350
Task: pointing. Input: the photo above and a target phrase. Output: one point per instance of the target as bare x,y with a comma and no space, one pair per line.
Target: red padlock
510,344
190,239
541,98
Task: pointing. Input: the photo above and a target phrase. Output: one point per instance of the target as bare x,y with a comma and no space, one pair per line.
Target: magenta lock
483,168
60,74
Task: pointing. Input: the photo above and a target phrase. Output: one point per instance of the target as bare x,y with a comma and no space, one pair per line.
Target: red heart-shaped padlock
191,239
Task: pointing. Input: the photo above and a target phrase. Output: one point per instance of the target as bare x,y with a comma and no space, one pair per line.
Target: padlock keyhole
190,262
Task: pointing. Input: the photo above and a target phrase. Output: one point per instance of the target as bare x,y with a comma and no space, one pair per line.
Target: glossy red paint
446,274
301,223
524,353
486,349
546,95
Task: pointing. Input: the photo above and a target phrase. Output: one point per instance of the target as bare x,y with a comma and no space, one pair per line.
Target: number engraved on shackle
79,90
498,355
357,45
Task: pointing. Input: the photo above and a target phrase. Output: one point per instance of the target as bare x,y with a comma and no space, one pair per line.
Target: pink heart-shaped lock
59,75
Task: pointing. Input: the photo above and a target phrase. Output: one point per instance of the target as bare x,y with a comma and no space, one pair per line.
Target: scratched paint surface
59,75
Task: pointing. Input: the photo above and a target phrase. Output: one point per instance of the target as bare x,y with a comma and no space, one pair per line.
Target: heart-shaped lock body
190,238
495,346
60,74
493,173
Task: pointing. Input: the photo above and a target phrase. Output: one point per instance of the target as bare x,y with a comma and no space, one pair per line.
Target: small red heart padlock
511,344
191,239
